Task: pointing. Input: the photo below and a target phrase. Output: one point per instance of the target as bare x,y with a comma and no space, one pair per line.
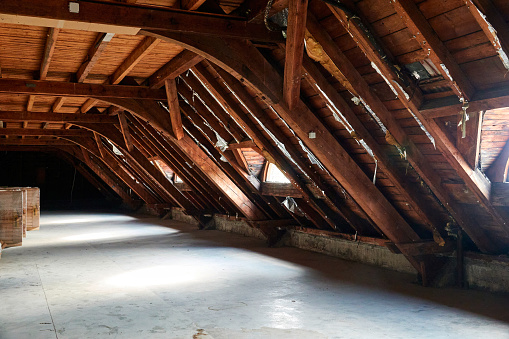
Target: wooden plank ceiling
389,121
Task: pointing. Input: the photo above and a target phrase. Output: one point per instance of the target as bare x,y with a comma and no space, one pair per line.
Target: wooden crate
11,215
33,208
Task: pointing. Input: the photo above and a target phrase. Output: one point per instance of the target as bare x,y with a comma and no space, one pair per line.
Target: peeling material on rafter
490,31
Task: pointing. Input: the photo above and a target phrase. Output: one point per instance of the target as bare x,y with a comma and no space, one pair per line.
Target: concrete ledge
178,214
349,250
230,224
487,273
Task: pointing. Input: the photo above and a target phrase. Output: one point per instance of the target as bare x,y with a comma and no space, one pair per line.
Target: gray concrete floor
114,276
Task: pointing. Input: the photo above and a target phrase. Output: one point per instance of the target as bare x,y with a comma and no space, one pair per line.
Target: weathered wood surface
11,217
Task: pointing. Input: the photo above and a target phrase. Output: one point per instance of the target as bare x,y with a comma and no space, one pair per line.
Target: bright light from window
274,174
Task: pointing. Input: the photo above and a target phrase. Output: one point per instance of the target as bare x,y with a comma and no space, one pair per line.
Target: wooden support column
124,127
174,109
469,146
297,12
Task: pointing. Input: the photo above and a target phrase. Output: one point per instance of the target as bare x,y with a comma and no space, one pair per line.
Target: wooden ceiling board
22,46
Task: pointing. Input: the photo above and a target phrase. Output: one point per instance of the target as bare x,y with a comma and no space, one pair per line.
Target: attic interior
374,131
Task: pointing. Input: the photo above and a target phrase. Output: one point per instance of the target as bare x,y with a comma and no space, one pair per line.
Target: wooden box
11,217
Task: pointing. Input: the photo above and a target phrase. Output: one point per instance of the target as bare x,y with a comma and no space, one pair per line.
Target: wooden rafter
87,106
173,68
93,55
174,109
297,13
144,48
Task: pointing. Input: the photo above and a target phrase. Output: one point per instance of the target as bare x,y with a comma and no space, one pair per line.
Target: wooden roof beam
157,18
56,88
51,42
438,53
297,13
173,68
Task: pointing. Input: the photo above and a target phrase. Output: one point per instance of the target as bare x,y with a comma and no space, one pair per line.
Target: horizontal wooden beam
68,89
45,132
35,142
13,116
482,101
145,17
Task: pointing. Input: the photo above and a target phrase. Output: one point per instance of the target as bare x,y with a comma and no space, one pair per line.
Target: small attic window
275,175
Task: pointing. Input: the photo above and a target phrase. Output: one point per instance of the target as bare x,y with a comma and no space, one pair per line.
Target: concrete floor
114,276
